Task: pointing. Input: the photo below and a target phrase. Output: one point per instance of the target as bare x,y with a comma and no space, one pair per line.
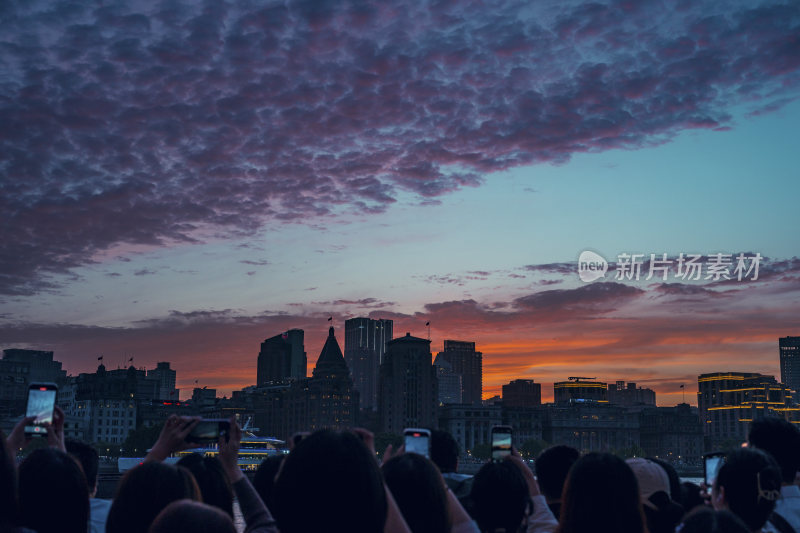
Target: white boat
252,452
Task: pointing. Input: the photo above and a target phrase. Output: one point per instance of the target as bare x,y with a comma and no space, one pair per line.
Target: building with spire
325,400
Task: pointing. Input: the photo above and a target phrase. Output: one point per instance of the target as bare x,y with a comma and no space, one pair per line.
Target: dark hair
88,458
444,451
144,491
264,479
215,487
691,496
9,512
500,497
674,478
187,516
337,472
601,494
53,494
552,467
780,439
417,487
751,481
707,520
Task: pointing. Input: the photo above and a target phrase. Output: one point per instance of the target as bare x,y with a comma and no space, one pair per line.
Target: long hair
601,495
144,491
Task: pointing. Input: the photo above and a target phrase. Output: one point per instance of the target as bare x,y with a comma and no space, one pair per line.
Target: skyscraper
469,364
522,393
364,347
166,381
282,357
790,364
408,386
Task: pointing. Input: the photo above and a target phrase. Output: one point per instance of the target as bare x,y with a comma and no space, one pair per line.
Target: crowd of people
332,481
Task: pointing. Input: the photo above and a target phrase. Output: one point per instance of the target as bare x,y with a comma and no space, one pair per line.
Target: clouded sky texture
181,180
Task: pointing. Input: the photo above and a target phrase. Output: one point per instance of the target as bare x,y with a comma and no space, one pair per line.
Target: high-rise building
449,382
522,393
42,367
629,395
166,378
282,358
364,347
469,365
790,364
408,388
578,390
729,401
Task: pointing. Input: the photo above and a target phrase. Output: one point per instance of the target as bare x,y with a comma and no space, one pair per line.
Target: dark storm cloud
145,123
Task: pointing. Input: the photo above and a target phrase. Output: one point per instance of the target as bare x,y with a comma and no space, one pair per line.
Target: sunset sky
181,180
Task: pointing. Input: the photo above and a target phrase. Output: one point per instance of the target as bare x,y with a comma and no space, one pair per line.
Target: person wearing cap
660,511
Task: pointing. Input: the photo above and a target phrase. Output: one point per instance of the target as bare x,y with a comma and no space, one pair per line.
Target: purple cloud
142,122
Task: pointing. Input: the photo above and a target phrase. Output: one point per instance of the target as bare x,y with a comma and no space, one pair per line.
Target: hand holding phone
501,442
711,465
41,404
209,430
418,441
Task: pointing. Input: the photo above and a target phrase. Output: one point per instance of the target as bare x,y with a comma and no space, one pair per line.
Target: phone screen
501,443
712,465
41,401
417,442
208,431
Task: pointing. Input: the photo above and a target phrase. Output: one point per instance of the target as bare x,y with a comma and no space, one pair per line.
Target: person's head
417,487
674,478
89,460
780,439
601,494
336,472
9,511
500,497
707,520
144,491
187,516
264,480
748,484
662,514
53,493
444,451
691,496
215,487
552,467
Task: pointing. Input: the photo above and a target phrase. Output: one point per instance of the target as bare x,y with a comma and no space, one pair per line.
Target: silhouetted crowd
331,481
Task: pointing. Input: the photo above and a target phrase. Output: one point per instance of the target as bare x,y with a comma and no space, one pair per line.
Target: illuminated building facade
579,391
729,401
790,364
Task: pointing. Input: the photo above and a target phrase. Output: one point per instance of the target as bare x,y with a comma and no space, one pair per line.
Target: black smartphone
501,442
711,465
41,402
209,430
417,441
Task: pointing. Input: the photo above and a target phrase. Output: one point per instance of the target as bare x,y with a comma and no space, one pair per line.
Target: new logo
591,266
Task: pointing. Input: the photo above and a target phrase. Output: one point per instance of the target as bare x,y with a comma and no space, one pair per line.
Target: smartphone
417,441
41,402
209,430
711,464
501,442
